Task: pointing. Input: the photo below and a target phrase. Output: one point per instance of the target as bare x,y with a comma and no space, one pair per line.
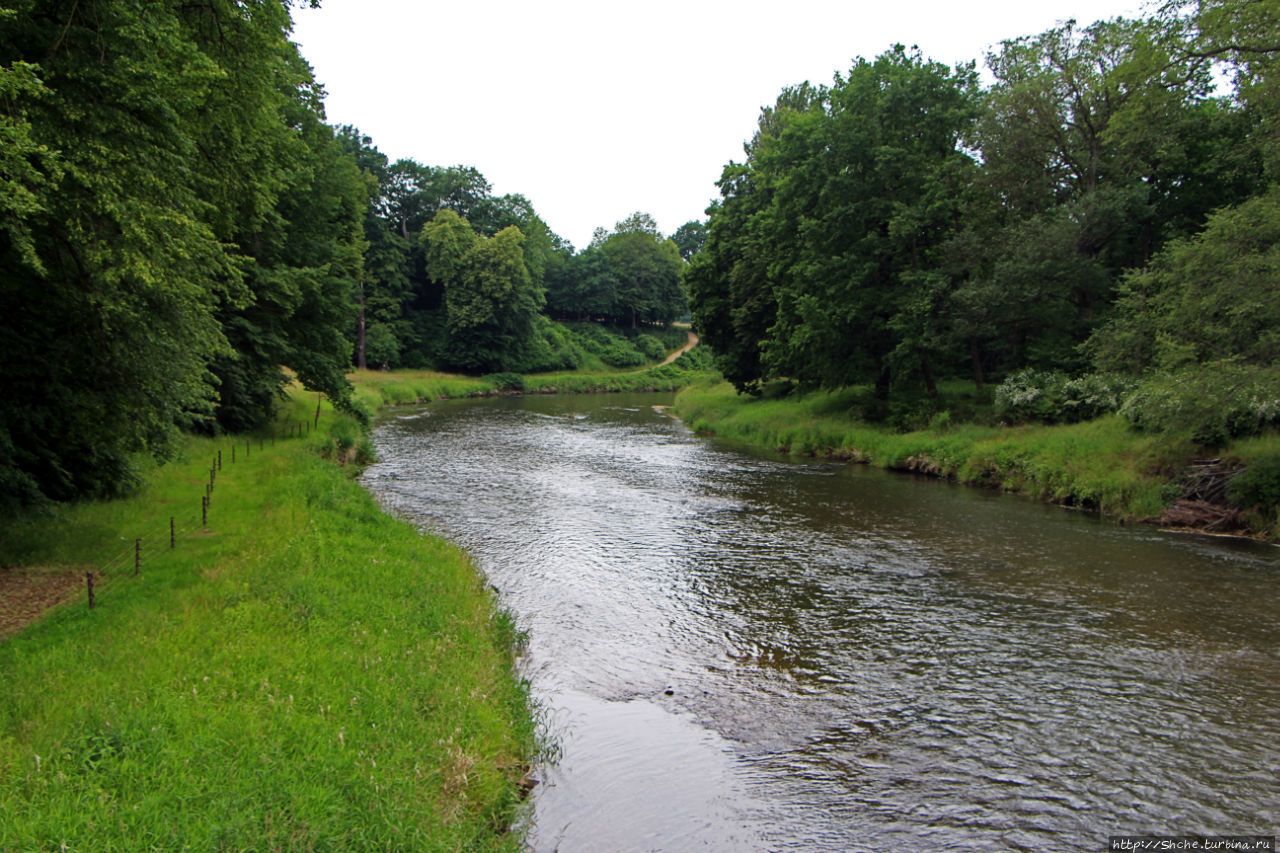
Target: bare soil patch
25,595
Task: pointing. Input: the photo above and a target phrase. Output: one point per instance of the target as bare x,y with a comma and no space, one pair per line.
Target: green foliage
628,276
1257,486
1212,298
1099,464
613,348
491,298
817,262
690,238
505,381
260,684
1049,396
901,227
1030,395
173,198
1208,405
650,347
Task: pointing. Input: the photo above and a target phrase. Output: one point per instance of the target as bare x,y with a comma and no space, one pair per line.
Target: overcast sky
594,109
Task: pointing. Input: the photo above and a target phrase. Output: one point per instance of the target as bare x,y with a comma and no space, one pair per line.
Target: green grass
1101,464
307,673
376,389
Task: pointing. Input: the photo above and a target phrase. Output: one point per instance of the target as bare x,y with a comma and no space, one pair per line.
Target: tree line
427,299
1096,207
182,234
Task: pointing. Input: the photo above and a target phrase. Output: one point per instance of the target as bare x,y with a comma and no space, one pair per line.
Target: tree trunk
882,381
975,352
926,367
360,362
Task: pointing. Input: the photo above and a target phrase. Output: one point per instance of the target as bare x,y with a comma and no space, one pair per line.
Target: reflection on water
745,653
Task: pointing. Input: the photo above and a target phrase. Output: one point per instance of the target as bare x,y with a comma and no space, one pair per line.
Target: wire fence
163,536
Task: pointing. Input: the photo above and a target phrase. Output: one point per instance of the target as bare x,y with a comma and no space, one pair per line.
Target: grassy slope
306,674
1101,463
375,389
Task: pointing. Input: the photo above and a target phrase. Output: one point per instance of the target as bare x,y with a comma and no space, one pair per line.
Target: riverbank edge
1100,465
304,670
377,390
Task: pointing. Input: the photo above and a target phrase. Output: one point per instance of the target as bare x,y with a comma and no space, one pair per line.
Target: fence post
219,460
173,540
88,579
204,511
233,454
137,556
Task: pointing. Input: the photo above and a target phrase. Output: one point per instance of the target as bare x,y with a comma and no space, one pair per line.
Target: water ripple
743,653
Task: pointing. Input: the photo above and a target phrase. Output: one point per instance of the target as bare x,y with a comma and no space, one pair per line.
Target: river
739,652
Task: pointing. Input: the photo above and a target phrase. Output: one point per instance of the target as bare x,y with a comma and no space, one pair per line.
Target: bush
1031,395
506,381
1209,405
1094,395
611,348
650,347
1257,487
696,359
1048,396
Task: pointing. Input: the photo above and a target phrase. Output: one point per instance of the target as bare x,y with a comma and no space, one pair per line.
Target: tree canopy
906,222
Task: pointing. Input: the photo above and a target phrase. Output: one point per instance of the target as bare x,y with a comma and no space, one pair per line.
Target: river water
740,652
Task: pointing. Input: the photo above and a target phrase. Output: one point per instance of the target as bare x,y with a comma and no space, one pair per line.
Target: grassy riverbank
375,389
1101,464
305,672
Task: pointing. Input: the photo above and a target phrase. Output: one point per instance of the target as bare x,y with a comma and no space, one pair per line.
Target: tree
647,271
867,190
172,195
690,238
491,298
107,235
1212,298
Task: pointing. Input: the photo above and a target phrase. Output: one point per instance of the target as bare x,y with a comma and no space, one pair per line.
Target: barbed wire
163,536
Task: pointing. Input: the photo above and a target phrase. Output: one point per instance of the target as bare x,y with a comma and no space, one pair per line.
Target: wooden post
137,556
319,398
219,460
247,442
88,579
173,537
204,511
233,454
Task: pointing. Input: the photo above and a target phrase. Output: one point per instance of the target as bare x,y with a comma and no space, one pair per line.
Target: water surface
742,652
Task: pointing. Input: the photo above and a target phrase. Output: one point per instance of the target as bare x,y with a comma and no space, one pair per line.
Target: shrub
1257,486
650,347
1209,405
506,381
1031,395
1093,395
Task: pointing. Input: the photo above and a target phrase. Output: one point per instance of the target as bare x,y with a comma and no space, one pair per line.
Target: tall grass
1100,464
306,674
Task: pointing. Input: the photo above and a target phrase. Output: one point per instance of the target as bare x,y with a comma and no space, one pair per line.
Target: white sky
594,109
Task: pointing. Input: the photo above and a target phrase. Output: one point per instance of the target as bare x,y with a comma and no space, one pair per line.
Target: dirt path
693,342
25,596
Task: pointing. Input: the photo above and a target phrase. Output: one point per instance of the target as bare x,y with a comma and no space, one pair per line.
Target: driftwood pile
1203,504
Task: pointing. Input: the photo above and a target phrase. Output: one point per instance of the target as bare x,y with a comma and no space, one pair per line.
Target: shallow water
743,652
